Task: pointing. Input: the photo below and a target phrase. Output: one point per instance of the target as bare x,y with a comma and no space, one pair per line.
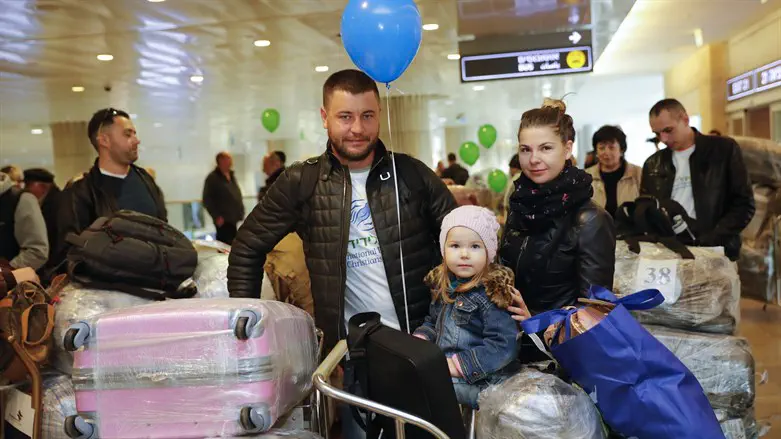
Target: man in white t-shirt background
705,174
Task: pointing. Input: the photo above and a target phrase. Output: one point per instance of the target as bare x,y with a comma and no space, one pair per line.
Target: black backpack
130,252
403,372
648,219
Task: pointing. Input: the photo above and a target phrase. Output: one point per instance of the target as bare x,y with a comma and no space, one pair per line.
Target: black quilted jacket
318,210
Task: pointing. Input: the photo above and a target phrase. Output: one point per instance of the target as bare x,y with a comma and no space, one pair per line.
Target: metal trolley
323,390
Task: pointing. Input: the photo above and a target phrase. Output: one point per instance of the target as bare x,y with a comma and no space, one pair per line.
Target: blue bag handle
645,299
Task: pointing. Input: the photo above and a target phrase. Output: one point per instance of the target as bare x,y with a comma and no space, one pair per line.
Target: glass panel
777,126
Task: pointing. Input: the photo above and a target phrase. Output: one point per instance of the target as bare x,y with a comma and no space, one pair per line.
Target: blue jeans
350,427
467,394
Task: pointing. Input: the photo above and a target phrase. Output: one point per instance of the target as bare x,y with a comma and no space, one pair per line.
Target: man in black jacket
343,206
40,182
705,174
222,198
114,182
273,165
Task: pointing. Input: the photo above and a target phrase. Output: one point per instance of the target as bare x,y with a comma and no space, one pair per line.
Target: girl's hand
455,369
520,310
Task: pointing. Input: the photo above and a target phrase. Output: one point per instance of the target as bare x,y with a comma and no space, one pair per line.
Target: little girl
468,318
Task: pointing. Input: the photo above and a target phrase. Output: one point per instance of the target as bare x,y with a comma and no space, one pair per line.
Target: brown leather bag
26,325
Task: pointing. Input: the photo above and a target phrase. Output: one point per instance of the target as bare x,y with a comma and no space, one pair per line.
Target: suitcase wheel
76,336
77,428
255,420
246,325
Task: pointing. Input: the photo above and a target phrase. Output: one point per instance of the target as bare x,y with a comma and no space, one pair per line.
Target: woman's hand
520,311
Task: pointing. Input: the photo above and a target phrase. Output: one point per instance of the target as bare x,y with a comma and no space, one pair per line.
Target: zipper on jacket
343,273
520,255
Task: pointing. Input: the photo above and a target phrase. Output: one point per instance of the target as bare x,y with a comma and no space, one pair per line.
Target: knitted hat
479,219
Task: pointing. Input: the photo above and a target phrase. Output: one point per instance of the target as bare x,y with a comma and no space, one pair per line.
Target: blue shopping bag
641,388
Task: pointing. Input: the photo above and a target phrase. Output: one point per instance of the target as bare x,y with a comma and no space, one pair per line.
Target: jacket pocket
463,310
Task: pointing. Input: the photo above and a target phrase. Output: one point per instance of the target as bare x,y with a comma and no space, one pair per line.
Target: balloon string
398,205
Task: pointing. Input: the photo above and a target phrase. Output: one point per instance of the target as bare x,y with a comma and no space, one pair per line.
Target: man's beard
353,155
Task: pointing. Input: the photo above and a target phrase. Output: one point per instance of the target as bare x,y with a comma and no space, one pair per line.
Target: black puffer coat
550,275
318,208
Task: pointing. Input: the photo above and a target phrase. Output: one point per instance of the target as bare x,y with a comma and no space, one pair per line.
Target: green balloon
497,180
487,135
469,153
270,119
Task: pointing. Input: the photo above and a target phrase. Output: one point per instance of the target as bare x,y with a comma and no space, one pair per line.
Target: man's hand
26,274
520,311
219,221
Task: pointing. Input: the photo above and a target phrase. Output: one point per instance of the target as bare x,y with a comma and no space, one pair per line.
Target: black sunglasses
110,113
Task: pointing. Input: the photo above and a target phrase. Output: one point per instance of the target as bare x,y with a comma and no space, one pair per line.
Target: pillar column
409,126
72,151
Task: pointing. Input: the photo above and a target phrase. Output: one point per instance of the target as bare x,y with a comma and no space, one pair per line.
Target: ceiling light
77,89
478,88
157,124
196,79
105,57
36,131
155,1
430,26
262,43
763,1
321,69
454,56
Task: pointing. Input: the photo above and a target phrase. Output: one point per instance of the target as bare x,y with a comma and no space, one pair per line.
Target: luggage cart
323,390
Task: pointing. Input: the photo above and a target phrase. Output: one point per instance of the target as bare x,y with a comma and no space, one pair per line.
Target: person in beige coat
615,180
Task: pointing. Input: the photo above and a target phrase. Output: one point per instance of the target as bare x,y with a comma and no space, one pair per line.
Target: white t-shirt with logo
682,187
367,284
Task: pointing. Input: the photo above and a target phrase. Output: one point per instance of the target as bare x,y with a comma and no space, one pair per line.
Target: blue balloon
382,37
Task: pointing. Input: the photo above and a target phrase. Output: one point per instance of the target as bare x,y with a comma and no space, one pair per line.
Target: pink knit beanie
479,219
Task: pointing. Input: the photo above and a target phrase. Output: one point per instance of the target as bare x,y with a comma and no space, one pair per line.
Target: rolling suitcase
189,368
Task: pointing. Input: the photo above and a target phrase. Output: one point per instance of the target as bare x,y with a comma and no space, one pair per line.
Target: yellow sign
576,59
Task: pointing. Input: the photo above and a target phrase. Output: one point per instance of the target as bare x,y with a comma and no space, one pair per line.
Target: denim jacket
477,328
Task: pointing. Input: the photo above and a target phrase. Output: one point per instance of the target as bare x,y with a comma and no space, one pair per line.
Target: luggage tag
659,274
19,412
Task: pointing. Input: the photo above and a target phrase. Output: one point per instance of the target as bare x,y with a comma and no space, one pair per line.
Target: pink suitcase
189,368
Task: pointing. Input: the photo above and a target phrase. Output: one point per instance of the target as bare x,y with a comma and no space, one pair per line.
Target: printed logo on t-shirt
361,216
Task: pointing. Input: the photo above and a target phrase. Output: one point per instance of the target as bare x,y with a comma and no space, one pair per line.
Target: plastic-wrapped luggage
76,304
738,427
211,275
536,405
722,364
58,403
762,158
701,294
190,368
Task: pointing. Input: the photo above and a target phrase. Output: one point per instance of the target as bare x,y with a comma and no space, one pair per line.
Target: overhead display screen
755,81
526,64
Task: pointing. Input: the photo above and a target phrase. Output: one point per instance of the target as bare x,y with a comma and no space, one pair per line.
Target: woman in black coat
556,240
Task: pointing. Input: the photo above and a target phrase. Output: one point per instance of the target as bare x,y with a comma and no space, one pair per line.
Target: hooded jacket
23,238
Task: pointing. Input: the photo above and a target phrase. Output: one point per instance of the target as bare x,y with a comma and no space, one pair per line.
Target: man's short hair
280,155
609,133
515,162
101,119
670,105
352,81
38,175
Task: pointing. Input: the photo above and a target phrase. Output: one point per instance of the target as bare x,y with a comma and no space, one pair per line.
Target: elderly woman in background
615,180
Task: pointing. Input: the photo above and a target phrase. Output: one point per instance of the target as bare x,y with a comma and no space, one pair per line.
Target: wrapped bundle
59,402
722,364
762,158
536,405
76,304
211,275
758,274
738,427
701,294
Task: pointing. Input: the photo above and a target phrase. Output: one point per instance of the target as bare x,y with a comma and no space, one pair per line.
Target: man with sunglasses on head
114,182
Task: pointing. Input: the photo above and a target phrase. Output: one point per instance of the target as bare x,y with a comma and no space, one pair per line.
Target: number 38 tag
660,275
